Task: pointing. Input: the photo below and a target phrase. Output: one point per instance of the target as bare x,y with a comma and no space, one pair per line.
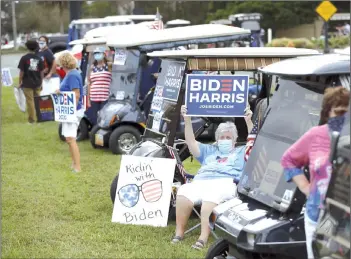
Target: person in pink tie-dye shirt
312,150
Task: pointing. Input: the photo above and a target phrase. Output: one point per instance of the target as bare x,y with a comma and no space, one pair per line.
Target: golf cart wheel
82,132
60,132
123,138
218,249
93,131
113,189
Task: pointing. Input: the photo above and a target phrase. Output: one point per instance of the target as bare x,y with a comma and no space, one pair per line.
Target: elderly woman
221,164
312,150
72,82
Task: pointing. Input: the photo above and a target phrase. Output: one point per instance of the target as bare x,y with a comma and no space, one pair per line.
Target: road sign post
326,10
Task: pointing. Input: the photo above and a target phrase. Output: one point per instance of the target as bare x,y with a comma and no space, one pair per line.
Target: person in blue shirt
72,82
221,164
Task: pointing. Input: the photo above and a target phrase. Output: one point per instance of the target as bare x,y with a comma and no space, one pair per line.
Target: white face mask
42,44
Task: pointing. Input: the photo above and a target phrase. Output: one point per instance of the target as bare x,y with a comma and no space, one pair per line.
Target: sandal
200,244
176,239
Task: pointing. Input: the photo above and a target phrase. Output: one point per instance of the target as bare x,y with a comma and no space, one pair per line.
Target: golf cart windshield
293,110
124,74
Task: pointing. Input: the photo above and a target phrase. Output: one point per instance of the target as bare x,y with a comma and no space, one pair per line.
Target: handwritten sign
44,108
120,57
170,78
6,77
65,106
216,95
144,191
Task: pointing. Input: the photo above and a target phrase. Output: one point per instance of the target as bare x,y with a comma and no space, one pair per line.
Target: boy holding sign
71,83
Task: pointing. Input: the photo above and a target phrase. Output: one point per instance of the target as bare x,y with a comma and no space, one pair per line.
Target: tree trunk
60,4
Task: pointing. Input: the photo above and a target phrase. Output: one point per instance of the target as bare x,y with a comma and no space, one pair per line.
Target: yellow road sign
326,10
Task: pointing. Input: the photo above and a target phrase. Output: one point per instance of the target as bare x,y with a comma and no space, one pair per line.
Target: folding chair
189,177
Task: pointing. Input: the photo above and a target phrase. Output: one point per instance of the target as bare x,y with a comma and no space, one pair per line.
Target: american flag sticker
65,99
152,190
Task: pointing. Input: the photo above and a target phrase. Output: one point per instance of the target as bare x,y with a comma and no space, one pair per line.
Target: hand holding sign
183,111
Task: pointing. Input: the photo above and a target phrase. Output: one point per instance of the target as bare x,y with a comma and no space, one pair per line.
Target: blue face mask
336,123
98,56
225,146
42,44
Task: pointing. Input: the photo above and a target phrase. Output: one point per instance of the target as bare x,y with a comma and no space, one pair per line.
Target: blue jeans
95,107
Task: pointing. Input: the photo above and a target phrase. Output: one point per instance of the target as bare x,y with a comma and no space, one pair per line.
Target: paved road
11,61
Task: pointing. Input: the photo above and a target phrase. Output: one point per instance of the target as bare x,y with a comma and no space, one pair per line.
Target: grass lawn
49,212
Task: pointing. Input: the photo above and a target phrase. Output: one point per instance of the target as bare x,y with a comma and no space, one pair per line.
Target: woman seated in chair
221,165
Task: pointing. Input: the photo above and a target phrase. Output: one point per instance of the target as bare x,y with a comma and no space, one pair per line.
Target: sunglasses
129,194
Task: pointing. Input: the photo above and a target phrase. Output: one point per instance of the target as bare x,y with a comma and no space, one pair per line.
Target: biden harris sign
216,95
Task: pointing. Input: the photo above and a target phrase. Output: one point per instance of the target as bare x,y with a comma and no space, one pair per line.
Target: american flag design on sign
179,166
251,140
152,190
65,99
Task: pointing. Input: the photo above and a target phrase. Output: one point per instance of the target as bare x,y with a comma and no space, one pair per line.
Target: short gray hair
227,126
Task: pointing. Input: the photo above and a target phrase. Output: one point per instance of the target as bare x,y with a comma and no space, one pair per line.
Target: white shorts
310,228
69,129
216,191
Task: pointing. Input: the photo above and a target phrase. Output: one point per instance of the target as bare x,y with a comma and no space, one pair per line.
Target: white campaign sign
6,77
144,191
120,57
65,107
50,86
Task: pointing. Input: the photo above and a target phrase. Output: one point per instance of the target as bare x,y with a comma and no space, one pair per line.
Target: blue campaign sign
216,95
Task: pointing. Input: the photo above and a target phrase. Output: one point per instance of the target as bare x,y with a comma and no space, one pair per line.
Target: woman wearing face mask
312,150
99,83
47,56
221,165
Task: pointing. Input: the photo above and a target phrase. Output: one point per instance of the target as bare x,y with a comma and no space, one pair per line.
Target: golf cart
332,237
266,220
249,21
121,122
160,137
177,23
93,39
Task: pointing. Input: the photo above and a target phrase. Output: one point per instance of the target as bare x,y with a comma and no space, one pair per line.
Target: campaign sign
6,77
216,95
143,191
65,106
170,78
44,108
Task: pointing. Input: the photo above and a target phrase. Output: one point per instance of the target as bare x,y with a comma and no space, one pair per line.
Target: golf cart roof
178,22
102,20
136,17
327,64
234,52
221,21
229,59
345,51
245,16
98,35
341,17
183,35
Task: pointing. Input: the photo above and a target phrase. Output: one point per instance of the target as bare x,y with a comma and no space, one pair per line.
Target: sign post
326,10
